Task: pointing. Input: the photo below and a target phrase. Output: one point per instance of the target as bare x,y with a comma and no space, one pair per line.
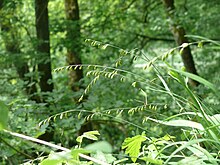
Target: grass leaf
196,78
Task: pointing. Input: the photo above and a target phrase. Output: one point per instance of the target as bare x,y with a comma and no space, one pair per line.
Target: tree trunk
179,36
43,46
73,40
44,60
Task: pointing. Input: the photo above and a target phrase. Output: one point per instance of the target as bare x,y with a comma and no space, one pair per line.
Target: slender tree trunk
44,60
179,36
11,40
1,4
43,47
73,40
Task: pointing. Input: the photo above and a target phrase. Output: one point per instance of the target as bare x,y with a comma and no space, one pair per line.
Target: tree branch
155,38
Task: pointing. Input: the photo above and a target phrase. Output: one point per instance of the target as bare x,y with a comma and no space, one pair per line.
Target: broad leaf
103,146
133,145
99,155
76,151
51,162
57,158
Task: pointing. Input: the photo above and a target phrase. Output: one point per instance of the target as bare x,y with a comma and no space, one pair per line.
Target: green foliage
136,86
89,135
102,146
4,115
156,150
133,146
75,153
57,159
194,77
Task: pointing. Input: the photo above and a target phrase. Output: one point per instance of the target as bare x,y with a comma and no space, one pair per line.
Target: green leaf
215,119
202,153
76,151
51,162
204,39
79,139
177,77
186,145
104,157
89,135
180,123
56,158
168,137
196,78
151,160
133,145
3,116
200,44
185,123
100,146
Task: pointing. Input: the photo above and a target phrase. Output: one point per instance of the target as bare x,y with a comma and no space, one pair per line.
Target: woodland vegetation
109,82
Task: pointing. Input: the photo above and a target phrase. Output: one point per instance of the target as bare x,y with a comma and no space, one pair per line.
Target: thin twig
20,152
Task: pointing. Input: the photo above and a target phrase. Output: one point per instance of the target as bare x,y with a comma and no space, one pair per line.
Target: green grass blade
197,78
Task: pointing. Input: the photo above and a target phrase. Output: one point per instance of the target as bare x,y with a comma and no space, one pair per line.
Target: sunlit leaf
51,162
132,146
76,151
89,135
57,158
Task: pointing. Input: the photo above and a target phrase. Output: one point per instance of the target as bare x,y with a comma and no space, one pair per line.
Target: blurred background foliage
131,25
